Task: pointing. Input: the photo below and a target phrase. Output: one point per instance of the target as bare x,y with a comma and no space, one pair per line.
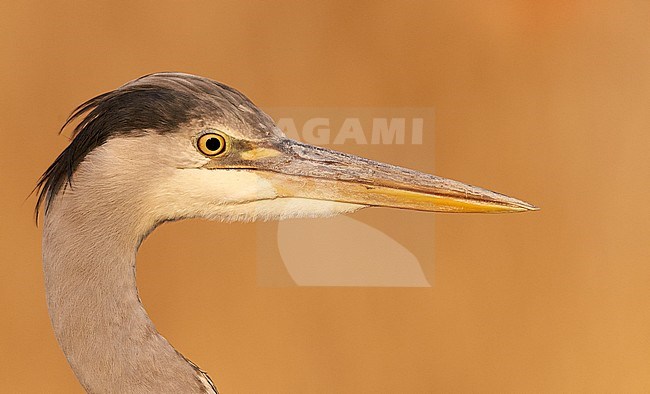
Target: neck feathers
90,240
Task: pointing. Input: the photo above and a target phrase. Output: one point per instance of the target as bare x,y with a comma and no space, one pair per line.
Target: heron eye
212,144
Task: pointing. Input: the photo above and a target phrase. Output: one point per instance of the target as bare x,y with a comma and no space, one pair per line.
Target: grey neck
110,342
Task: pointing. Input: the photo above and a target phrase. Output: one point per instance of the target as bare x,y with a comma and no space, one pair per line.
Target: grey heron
170,146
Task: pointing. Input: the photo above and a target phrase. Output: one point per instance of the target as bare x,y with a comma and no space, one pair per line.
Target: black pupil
214,144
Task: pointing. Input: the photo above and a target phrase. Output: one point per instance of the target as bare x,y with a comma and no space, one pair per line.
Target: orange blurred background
547,101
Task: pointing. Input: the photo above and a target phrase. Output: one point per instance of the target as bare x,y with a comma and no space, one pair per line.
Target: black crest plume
158,102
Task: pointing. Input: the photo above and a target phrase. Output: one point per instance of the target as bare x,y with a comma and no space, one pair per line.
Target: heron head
178,145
